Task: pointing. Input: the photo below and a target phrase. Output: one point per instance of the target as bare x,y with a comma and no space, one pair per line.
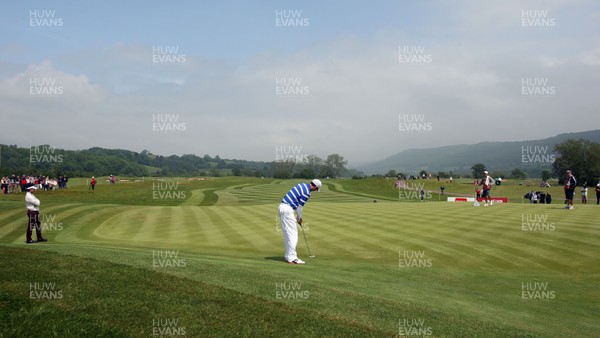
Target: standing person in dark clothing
584,191
570,184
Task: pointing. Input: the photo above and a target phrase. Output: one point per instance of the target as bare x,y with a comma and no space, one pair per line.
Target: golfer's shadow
276,258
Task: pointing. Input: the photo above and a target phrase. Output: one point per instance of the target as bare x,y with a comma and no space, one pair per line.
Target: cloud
590,57
351,88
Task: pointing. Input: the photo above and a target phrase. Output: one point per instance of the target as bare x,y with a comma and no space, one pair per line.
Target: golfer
570,184
486,182
294,200
33,211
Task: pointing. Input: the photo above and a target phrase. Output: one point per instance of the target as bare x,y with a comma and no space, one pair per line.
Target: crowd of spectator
540,197
15,184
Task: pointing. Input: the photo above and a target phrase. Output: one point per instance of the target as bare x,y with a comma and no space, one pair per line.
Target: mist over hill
531,156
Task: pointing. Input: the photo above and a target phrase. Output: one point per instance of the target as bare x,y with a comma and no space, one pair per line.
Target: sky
262,80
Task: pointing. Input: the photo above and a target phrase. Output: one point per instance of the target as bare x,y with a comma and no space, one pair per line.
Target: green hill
499,156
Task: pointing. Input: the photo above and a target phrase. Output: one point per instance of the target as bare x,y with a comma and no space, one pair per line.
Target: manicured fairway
212,261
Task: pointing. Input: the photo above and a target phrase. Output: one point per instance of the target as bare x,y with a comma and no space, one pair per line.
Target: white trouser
290,232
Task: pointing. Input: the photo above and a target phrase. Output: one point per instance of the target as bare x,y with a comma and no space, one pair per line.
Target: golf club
304,234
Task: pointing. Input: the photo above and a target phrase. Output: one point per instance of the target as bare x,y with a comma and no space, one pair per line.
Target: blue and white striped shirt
297,196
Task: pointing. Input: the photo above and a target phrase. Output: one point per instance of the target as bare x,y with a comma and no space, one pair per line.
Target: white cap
317,184
32,187
485,172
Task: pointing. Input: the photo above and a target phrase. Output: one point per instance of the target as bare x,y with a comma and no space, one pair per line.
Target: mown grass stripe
123,224
252,224
227,233
234,228
162,226
423,240
210,197
193,224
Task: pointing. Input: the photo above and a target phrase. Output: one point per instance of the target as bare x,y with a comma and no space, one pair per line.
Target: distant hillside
497,156
50,161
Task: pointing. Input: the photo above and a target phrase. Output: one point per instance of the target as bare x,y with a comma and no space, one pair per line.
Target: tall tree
580,156
477,170
546,174
335,164
391,173
313,163
518,174
283,169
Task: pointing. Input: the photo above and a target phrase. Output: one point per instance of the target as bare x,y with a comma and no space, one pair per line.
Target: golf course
204,258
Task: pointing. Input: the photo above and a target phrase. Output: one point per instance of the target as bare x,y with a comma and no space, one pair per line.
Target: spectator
570,184
33,211
584,191
5,185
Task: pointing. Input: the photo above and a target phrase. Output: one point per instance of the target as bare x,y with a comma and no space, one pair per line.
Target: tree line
581,156
54,162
